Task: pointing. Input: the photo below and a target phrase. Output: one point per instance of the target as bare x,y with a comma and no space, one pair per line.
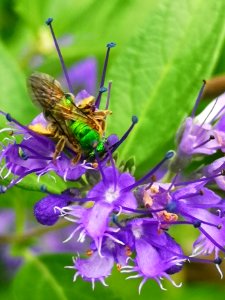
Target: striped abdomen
87,137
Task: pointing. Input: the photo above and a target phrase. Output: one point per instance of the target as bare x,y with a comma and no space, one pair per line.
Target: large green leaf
13,96
51,281
158,75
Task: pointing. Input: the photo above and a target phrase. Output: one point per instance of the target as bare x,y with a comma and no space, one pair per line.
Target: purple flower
35,155
215,168
157,255
202,134
108,196
44,209
98,267
114,218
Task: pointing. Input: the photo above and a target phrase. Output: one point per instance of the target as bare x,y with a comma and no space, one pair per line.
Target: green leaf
90,23
158,75
49,280
13,97
44,277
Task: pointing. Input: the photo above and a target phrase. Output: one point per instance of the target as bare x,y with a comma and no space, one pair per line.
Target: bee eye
69,98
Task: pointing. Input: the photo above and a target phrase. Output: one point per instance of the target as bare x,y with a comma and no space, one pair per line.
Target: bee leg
76,158
59,147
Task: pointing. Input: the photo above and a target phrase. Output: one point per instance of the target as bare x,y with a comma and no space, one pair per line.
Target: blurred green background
164,51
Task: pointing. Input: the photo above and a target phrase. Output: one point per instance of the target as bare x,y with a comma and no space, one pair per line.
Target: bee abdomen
85,135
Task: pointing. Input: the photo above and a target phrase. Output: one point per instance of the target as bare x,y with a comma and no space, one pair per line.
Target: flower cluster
122,220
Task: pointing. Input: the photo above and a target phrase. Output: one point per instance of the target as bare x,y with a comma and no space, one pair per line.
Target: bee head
98,150
69,99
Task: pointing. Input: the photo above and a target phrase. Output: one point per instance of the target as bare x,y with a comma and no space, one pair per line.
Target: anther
201,193
89,252
49,21
23,155
222,172
153,178
128,251
3,189
211,137
219,226
134,119
111,45
8,117
169,154
103,89
43,188
218,261
197,224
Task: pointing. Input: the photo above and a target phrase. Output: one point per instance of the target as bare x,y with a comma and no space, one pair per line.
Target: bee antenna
103,89
49,23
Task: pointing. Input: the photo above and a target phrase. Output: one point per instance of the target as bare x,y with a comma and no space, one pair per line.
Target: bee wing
45,91
72,113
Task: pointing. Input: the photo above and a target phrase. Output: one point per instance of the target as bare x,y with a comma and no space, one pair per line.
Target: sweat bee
78,127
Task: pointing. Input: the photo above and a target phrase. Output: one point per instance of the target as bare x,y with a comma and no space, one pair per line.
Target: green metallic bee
79,127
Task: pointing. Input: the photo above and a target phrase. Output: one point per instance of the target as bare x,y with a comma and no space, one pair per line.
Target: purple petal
96,219
95,267
44,209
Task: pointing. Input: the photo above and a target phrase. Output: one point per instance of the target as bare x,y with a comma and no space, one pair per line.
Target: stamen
24,156
198,99
136,211
219,270
208,115
113,167
198,222
173,182
199,193
212,137
200,180
115,221
117,144
218,114
200,260
102,88
100,168
168,155
108,96
211,239
49,23
153,179
6,129
19,178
